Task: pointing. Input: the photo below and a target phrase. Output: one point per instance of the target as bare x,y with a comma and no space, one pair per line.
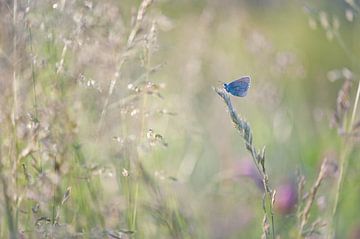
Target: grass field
114,122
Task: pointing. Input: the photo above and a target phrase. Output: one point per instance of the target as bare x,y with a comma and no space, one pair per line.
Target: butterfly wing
239,87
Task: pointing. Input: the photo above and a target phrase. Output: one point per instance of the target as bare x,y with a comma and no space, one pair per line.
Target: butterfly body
238,87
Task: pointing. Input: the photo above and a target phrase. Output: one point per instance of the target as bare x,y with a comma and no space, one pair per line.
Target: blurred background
110,127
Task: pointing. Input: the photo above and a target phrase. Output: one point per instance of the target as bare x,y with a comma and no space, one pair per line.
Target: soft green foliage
110,128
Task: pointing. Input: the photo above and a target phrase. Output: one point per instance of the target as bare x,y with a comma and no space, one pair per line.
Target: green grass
110,128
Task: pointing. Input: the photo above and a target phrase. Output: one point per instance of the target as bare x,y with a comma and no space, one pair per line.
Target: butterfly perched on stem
238,87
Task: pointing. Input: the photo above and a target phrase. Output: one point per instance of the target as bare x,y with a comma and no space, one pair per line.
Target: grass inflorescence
258,157
108,127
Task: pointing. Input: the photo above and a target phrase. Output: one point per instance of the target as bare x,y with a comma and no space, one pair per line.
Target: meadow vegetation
114,122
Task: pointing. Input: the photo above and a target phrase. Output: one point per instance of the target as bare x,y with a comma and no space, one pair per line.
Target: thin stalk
339,184
14,113
348,146
12,222
133,224
33,73
259,160
355,105
142,128
145,4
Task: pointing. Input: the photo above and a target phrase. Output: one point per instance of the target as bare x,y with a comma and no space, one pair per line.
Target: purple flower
286,198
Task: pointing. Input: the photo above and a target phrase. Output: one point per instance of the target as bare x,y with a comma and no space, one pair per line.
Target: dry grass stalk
346,128
259,160
135,30
305,213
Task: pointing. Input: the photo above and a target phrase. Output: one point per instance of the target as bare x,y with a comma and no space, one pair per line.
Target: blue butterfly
238,87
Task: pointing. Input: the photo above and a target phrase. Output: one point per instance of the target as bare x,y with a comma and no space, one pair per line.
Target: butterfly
238,87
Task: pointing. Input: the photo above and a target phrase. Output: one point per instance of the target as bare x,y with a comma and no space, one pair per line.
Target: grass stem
259,160
347,148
